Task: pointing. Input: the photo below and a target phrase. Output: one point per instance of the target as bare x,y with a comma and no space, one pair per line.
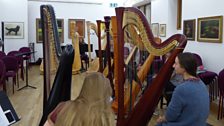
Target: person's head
81,40
92,107
185,62
96,88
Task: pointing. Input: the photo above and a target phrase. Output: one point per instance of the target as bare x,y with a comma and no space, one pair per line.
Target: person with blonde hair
91,108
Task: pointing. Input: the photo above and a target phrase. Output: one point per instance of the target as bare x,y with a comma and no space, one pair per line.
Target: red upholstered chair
221,90
12,66
2,75
24,50
208,77
20,63
2,54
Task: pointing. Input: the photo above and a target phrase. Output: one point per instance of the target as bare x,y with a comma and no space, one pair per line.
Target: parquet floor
28,102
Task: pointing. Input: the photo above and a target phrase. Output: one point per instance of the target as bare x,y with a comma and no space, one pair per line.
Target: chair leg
17,76
219,107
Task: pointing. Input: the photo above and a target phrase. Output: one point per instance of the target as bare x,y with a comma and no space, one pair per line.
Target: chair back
18,57
11,63
198,59
2,72
2,54
25,49
221,82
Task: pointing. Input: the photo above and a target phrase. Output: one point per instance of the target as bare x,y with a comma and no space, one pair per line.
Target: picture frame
13,30
162,30
189,29
179,14
80,25
210,29
39,37
155,29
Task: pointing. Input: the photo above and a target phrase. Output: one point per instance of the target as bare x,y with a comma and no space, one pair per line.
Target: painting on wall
13,30
155,29
162,30
179,14
80,27
189,29
210,29
39,37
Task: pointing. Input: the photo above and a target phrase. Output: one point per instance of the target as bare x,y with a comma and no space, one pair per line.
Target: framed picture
155,29
39,37
189,29
162,30
13,30
80,27
210,29
179,14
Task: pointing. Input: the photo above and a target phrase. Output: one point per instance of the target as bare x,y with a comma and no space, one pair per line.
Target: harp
75,42
61,88
144,108
96,64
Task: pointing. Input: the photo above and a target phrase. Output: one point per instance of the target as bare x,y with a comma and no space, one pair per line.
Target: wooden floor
28,102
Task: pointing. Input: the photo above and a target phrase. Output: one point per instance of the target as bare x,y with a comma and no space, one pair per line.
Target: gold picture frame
162,30
80,27
179,14
210,29
189,29
39,37
155,29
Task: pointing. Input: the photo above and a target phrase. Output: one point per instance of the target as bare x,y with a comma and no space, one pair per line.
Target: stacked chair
11,65
20,63
208,77
221,97
2,75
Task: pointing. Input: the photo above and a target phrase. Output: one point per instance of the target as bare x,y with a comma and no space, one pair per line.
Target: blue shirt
189,105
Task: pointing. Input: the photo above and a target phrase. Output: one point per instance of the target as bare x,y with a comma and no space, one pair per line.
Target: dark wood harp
61,88
143,110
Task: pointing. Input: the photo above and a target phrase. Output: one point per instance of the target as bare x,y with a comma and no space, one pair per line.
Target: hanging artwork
162,30
210,29
13,30
80,27
189,29
155,29
39,37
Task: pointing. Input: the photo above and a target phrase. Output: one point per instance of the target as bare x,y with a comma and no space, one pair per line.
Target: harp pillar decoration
75,42
88,33
99,45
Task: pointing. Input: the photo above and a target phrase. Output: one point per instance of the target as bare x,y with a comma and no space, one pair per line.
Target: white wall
164,12
89,12
211,53
14,11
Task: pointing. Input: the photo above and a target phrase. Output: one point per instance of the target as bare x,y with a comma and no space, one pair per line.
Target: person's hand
161,119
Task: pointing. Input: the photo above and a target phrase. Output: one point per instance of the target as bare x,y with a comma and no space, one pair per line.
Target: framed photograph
39,37
189,29
162,30
13,30
210,29
80,27
155,29
179,14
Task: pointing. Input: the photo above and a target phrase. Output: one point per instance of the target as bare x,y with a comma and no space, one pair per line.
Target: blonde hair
92,107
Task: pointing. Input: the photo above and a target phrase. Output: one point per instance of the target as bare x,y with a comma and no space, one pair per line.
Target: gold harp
75,42
57,60
143,110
